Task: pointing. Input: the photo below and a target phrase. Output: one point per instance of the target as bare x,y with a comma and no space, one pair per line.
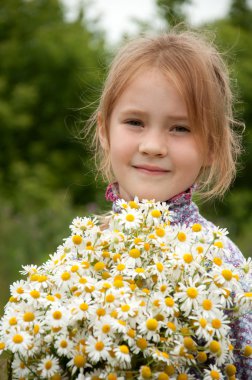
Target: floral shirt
186,212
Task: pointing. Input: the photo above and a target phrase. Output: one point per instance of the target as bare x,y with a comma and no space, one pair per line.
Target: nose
153,143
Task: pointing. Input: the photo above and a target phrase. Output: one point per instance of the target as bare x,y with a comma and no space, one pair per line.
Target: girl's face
153,149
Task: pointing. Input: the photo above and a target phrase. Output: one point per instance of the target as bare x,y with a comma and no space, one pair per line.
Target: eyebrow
135,111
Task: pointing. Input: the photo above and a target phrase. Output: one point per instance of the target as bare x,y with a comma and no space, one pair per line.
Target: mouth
150,169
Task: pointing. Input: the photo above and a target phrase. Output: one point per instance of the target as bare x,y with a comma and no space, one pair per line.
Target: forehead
151,86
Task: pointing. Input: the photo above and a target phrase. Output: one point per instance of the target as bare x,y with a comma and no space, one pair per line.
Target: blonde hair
197,69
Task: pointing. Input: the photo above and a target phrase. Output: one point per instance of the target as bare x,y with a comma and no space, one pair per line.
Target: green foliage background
51,72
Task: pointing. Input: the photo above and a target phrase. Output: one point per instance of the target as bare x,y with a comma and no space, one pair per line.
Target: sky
116,15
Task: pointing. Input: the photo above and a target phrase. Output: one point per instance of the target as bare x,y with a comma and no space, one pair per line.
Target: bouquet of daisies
136,298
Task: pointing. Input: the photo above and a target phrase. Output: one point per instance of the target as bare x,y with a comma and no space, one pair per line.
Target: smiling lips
149,169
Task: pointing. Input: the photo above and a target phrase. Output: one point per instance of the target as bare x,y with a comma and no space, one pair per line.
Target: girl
164,130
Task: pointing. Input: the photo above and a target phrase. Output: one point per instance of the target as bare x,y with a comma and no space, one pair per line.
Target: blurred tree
172,11
240,14
49,69
50,75
234,37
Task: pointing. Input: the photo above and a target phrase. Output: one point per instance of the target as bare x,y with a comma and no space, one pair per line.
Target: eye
134,122
180,129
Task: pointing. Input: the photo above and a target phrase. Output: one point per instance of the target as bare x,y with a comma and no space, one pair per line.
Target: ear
102,132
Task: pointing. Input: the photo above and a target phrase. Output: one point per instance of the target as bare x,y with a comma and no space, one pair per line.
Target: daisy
127,310
64,345
190,295
219,325
202,326
130,219
169,306
122,354
103,327
17,289
209,305
247,266
98,349
49,366
213,373
29,270
19,367
18,341
149,327
79,308
57,316
80,225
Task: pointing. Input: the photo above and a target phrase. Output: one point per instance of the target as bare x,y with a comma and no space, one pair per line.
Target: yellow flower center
142,343
207,304
99,266
131,333
48,364
49,297
196,227
189,343
203,322
218,244
215,375
160,267
63,344
17,339
192,292
120,267
169,302
188,258
110,298
135,253
217,261
214,346
57,314
152,324
160,232
106,329
118,283
28,316
202,357
99,346
146,372
84,306
227,274
139,270
171,326
75,268
170,370
112,376
216,323
155,213
247,351
125,308
77,239
230,370
20,290
2,345
182,376
79,361
100,312
124,349
12,321
181,236
130,218
65,276
133,204
163,376
35,294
